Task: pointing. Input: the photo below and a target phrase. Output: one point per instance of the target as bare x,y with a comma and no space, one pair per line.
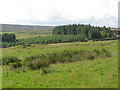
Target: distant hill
20,28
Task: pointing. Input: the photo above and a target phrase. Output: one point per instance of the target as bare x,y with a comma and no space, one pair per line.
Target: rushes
37,64
9,59
42,61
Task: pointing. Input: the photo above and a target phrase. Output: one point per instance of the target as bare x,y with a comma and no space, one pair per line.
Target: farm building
116,32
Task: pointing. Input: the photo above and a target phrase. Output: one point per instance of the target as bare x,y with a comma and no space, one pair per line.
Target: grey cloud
119,14
57,19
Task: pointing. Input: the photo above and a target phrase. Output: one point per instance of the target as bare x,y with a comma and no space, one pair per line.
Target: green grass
37,49
6,32
25,34
29,34
98,73
0,76
87,74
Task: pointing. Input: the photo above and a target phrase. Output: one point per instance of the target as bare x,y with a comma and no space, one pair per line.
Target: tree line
45,40
89,31
8,37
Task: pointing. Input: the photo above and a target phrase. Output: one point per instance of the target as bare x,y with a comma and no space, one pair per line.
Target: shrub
16,65
31,58
48,70
105,53
90,57
53,58
97,52
37,64
9,59
26,45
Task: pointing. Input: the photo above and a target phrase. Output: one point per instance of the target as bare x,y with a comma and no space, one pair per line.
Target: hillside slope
20,28
97,73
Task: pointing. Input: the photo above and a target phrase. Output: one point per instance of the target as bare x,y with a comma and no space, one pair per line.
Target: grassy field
97,73
29,34
34,49
24,35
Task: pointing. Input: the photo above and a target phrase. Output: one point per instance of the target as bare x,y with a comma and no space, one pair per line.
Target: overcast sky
59,12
